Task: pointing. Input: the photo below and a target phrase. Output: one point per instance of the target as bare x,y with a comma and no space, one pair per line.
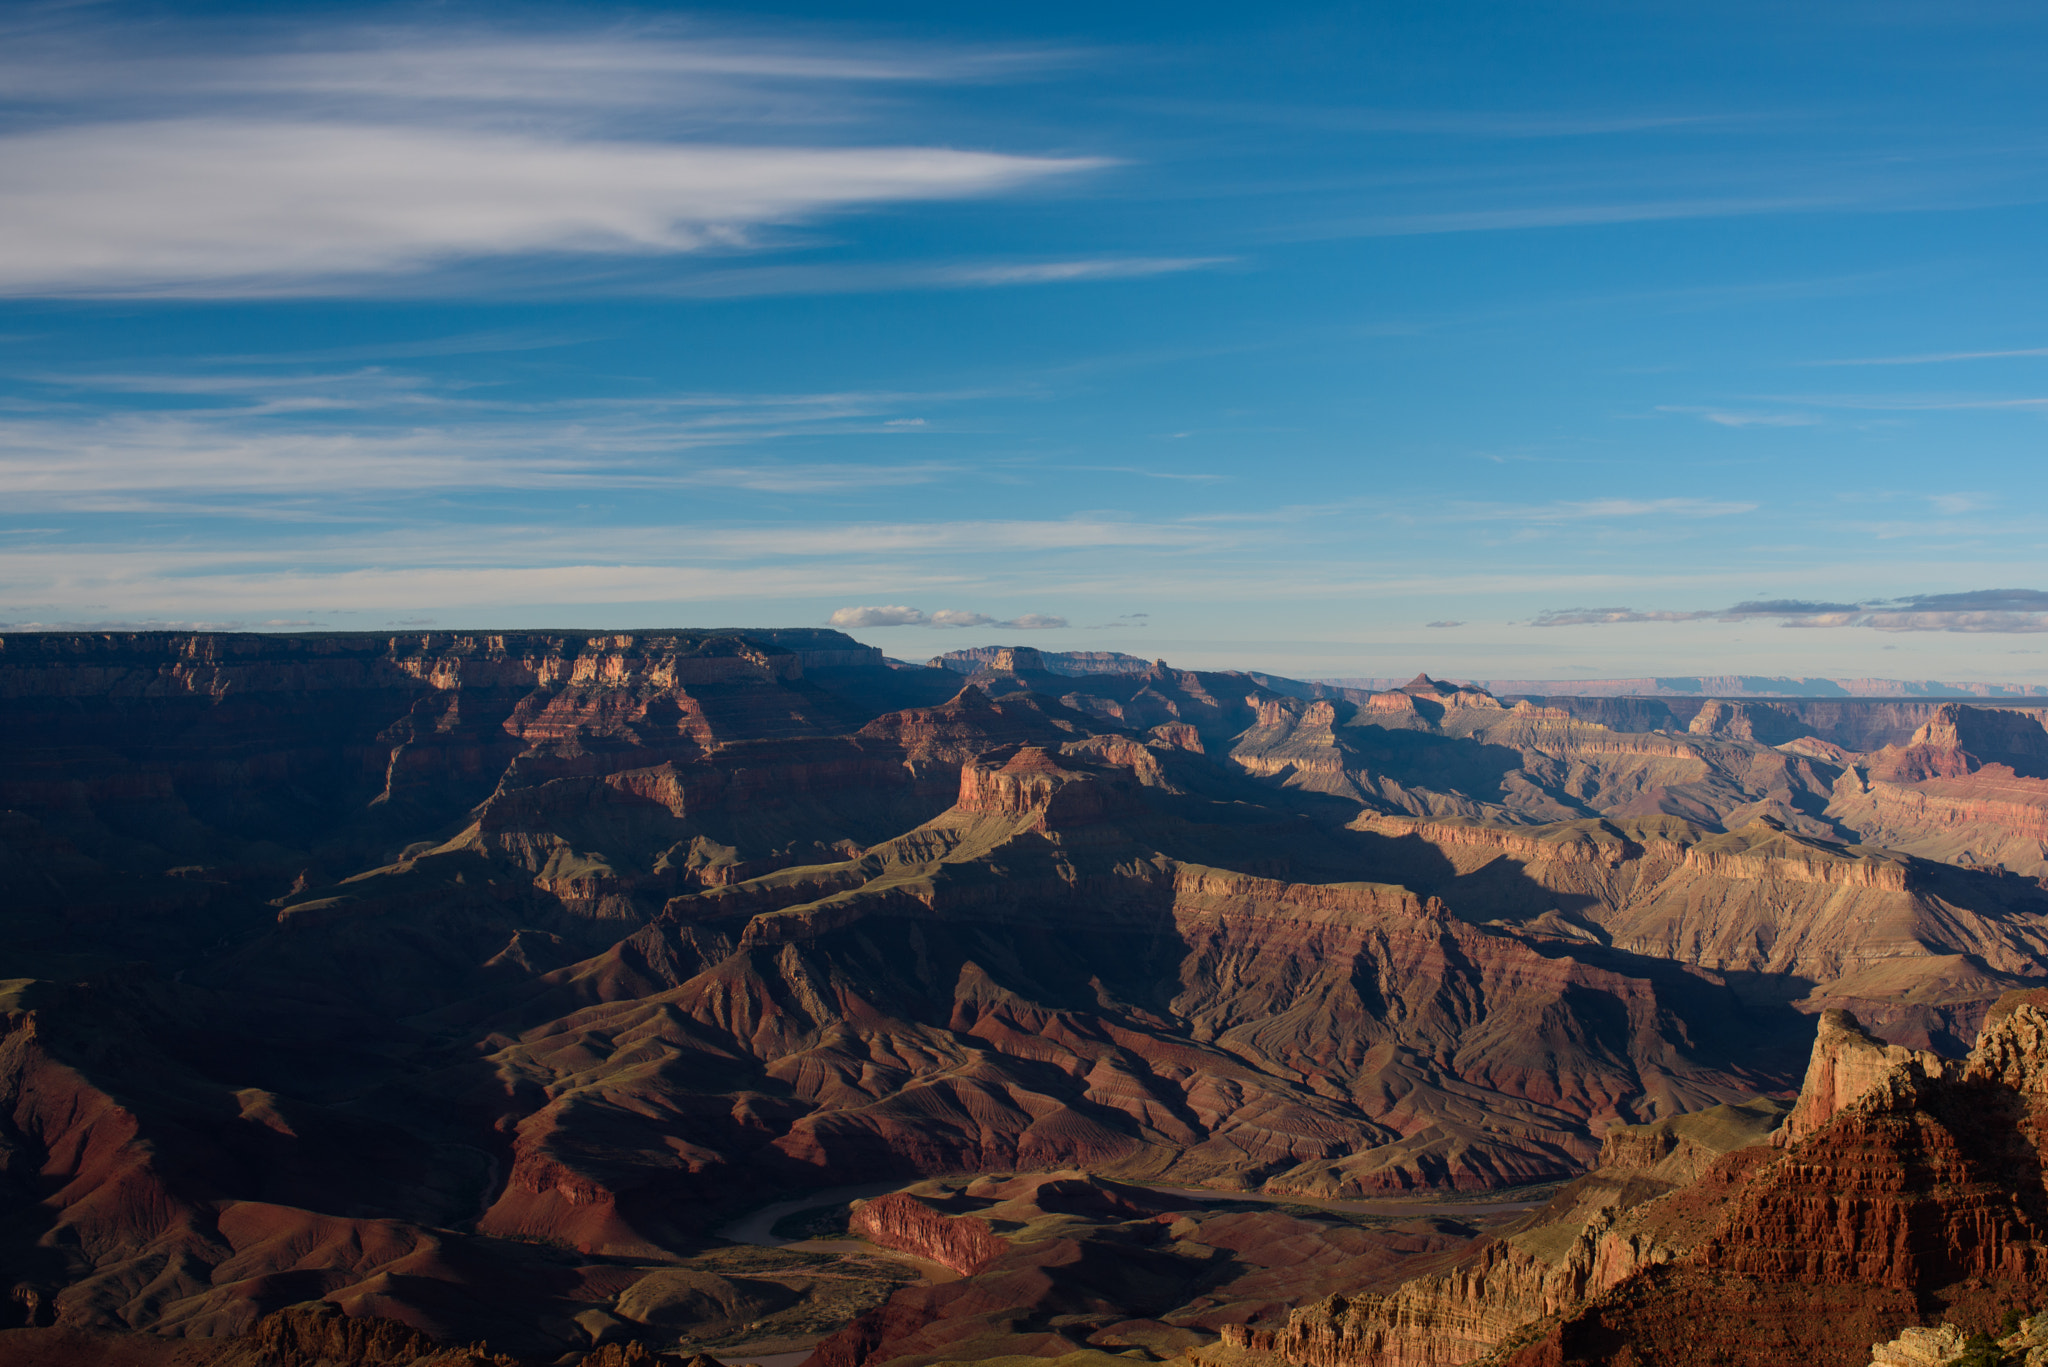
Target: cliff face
1577,1246
1970,786
1898,1186
964,1243
442,976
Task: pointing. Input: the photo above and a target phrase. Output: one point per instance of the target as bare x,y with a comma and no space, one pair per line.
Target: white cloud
881,617
223,206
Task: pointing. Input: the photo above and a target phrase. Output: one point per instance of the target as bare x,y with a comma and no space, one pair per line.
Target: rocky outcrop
1989,818
1921,1198
1764,849
1580,1244
1074,662
318,1334
1033,784
1960,740
1847,1065
964,1243
1899,1188
1971,787
1763,723
1918,1347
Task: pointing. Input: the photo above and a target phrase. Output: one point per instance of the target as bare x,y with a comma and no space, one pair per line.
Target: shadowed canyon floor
474,982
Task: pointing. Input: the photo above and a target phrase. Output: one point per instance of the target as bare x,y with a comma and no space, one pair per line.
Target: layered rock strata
1901,1187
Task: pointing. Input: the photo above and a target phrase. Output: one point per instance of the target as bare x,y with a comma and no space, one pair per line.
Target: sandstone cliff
1900,1188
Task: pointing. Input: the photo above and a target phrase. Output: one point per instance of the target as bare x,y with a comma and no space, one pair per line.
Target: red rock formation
1088,1263
1900,1188
320,1335
964,1243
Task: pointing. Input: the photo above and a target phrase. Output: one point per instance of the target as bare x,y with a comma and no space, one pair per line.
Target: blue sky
1499,340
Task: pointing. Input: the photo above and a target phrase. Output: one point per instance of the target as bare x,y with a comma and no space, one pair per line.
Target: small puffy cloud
1976,611
896,615
880,617
1444,624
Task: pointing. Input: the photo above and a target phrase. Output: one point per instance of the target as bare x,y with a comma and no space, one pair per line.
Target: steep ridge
1970,786
1210,1026
1903,1187
1573,1249
1919,947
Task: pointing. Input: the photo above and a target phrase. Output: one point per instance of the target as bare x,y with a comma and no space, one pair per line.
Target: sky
1532,341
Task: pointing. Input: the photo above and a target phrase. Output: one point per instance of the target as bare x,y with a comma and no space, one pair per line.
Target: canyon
470,983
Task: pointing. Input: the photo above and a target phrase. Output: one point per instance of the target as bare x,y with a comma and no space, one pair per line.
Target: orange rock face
964,1243
1899,1189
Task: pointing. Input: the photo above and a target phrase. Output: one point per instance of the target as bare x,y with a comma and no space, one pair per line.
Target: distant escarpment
471,981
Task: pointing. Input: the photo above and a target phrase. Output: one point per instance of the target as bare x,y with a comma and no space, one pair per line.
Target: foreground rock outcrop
1902,1189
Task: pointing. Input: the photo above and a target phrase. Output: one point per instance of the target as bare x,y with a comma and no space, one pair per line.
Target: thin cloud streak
744,282
1934,358
1599,509
1524,217
647,65
210,206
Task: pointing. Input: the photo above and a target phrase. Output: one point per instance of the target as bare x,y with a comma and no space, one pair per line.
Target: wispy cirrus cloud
741,282
345,160
127,461
1583,215
252,435
215,206
1741,417
1603,509
1934,357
